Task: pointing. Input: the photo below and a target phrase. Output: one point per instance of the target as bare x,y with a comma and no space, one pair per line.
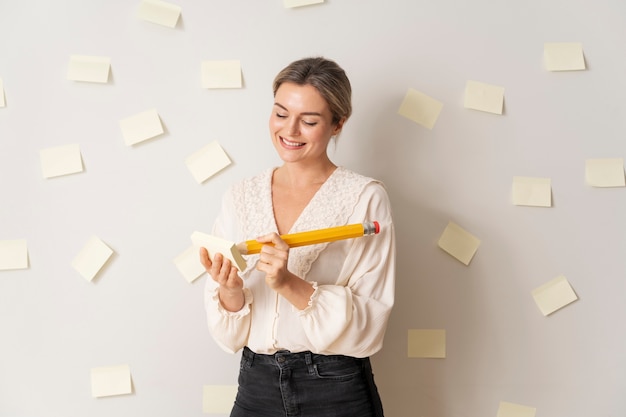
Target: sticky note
111,380
214,244
93,69
554,295
61,160
159,12
13,254
91,258
420,108
427,343
218,399
297,3
563,56
484,97
188,264
207,162
142,126
2,100
459,243
221,74
507,409
529,191
607,172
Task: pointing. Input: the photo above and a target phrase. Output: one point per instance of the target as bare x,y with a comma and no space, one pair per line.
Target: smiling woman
307,318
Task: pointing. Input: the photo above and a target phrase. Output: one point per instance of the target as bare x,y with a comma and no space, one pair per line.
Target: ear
339,126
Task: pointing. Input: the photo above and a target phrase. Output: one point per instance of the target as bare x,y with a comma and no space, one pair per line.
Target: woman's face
301,124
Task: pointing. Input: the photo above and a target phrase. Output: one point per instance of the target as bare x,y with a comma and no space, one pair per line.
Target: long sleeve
350,316
229,329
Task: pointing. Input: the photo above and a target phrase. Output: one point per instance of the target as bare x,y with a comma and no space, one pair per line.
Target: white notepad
214,244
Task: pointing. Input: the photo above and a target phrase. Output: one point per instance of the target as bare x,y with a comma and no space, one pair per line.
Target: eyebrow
309,113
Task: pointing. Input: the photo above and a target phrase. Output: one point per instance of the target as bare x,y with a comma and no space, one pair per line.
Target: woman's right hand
230,283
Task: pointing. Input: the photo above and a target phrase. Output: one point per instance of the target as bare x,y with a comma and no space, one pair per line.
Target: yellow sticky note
159,12
218,399
221,74
188,264
91,258
2,100
140,127
13,254
528,191
554,295
93,69
111,380
207,162
459,243
61,160
427,343
420,108
297,3
564,56
484,97
507,409
606,172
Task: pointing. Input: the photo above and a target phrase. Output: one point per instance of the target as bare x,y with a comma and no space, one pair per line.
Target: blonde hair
328,78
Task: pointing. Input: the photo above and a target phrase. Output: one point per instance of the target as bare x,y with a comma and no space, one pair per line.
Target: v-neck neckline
307,207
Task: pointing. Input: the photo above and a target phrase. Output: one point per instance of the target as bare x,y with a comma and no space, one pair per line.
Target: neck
296,175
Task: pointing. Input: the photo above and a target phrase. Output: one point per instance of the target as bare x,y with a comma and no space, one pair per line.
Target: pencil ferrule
369,228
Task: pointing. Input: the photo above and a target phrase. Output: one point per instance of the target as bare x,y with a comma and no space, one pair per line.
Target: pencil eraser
376,227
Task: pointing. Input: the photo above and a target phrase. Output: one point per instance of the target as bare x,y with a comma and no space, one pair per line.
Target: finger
216,268
225,268
274,241
233,277
205,260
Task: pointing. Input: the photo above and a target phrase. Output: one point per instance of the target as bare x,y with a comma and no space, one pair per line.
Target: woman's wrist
232,300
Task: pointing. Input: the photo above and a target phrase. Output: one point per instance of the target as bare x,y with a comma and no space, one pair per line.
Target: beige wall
143,202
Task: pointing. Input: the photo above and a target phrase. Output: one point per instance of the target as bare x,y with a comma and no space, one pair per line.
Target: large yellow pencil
312,237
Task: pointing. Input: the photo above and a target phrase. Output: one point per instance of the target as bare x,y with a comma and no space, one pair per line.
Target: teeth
287,142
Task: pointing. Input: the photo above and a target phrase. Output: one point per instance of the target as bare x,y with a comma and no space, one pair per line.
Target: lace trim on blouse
331,206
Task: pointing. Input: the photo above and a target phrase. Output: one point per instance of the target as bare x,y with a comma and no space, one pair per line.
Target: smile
290,143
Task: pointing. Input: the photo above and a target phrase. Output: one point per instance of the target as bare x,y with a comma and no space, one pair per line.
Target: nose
292,127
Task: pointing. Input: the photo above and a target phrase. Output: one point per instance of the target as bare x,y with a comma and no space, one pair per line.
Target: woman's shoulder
352,179
258,181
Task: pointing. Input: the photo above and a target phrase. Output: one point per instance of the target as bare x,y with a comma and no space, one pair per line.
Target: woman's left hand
273,261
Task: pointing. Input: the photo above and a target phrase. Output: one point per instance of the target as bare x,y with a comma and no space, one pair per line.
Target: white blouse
353,279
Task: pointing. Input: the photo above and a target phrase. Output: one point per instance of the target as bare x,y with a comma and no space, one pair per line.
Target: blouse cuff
245,310
312,300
